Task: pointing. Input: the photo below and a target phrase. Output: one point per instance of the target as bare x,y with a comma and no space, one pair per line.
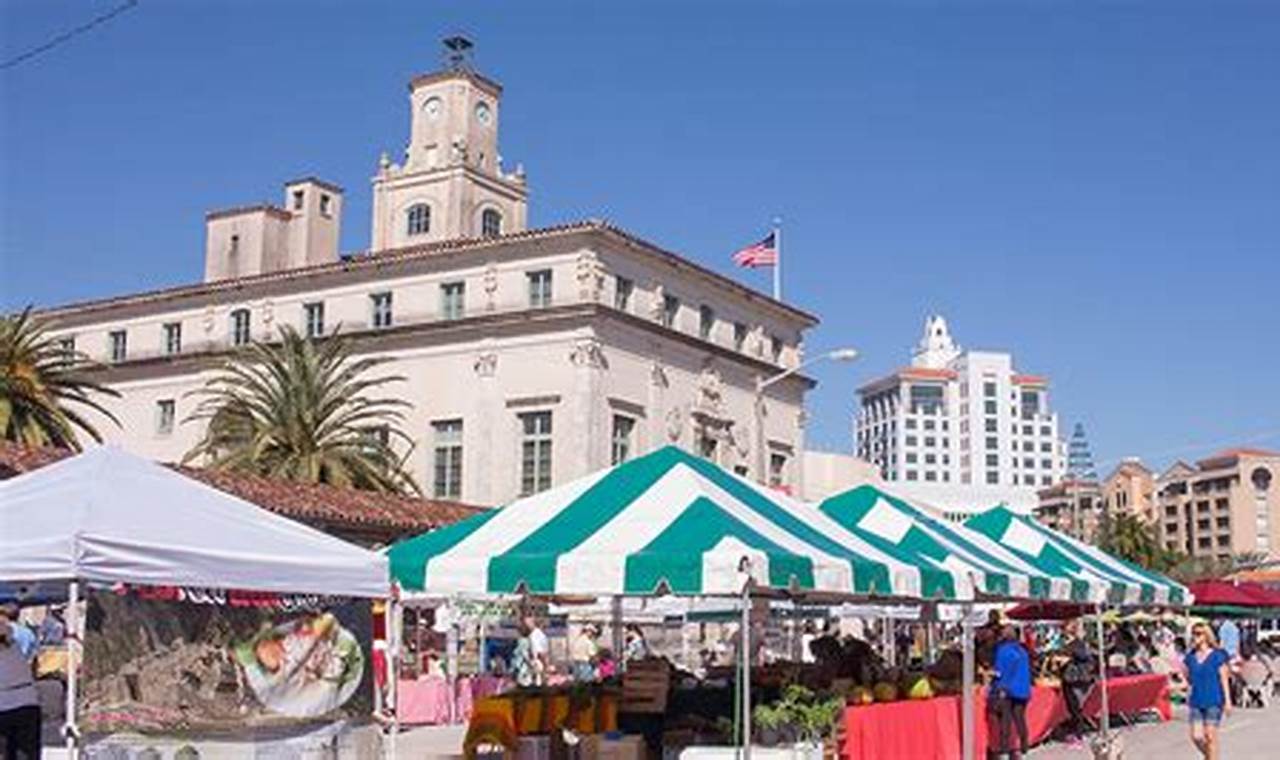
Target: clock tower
451,183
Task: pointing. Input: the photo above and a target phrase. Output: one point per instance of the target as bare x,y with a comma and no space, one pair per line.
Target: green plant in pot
801,717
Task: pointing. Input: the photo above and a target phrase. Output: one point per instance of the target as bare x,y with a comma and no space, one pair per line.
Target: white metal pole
967,723
616,630
74,650
777,259
745,647
395,626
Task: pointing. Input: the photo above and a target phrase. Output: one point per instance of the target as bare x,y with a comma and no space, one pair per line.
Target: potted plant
802,719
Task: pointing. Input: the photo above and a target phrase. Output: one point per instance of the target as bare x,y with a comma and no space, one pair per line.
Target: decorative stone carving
656,305
268,314
208,321
658,375
588,352
675,423
710,398
590,276
741,439
758,340
490,286
486,364
458,150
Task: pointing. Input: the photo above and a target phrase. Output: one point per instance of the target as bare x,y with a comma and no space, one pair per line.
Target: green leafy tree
1128,537
304,410
46,387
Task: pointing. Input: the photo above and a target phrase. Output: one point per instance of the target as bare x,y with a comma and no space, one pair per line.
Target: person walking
19,703
1208,674
1009,693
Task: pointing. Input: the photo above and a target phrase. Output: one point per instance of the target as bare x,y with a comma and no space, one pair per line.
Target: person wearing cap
583,653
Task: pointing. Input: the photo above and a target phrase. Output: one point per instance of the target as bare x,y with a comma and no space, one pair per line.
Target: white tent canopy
107,516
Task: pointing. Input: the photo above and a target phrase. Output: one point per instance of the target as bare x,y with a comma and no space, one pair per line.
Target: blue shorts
1211,715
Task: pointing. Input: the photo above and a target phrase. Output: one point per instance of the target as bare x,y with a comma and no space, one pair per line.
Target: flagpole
777,262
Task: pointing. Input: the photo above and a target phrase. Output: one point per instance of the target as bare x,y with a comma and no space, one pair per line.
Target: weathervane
457,53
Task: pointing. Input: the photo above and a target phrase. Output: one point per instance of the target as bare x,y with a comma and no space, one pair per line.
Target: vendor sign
169,659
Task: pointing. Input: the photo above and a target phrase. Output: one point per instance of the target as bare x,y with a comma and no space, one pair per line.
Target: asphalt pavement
1252,734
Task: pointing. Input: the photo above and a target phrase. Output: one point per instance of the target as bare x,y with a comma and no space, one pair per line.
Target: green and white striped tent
1096,577
895,525
664,522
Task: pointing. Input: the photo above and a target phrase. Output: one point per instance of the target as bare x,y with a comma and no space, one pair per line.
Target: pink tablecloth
425,701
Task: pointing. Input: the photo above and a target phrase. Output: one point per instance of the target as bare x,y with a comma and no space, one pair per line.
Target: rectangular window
67,350
1046,447
993,460
240,327
166,411
670,309
739,336
928,424
119,340
990,424
380,309
930,475
235,245
1028,462
539,288
622,290
777,470
1046,463
911,440
1045,430
911,423
989,407
535,452
173,338
930,441
776,349
447,464
452,300
911,475
706,321
930,458
993,477
911,457
989,390
620,440
297,200
315,319
992,443
325,210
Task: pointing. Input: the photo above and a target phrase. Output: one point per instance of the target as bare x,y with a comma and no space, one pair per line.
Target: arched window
490,223
418,219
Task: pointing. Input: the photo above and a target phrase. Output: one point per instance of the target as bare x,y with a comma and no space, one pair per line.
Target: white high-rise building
960,430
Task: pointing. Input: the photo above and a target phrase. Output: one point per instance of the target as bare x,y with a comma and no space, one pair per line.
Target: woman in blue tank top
1208,676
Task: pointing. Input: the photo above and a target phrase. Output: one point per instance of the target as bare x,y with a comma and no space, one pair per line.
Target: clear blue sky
1092,186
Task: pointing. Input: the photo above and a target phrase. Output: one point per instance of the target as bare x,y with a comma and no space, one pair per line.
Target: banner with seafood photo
166,658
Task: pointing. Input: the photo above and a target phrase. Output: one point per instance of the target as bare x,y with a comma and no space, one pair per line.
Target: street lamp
836,355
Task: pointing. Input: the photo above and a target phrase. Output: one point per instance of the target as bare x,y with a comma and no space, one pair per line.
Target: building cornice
386,260
264,208
406,336
479,80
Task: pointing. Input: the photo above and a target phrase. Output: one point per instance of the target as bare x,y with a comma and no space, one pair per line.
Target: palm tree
300,410
45,386
1127,536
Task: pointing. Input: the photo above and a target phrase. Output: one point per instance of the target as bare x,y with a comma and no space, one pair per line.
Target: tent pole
69,729
395,621
1102,676
744,640
615,624
967,723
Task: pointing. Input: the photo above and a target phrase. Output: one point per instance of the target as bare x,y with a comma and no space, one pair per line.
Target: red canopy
1049,611
1267,597
1213,593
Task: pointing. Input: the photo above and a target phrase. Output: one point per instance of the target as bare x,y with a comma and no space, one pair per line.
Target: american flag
761,254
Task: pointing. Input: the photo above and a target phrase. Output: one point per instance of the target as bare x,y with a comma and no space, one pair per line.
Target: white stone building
532,357
960,430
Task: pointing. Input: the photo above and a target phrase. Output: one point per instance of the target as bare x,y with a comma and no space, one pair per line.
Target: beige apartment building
1225,505
1131,488
532,356
1073,507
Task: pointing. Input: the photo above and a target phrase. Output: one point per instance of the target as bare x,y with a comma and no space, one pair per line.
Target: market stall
671,523
111,520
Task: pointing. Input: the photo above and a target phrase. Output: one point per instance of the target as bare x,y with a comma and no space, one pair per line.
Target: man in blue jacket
1009,692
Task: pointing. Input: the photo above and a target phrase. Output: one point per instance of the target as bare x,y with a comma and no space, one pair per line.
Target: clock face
432,108
483,115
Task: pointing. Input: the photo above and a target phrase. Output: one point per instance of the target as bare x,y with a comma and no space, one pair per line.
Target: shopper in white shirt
19,703
539,650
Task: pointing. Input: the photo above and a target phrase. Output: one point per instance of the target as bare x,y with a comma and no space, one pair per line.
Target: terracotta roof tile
345,507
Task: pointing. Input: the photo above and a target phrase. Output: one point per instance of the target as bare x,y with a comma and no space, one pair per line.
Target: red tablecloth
930,729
